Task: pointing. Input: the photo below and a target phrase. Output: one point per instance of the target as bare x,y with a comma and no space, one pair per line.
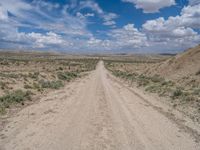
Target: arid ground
95,104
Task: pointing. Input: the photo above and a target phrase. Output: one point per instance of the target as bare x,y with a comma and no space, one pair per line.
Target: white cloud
175,32
189,17
80,15
41,40
68,31
84,16
109,23
92,5
108,18
128,36
151,6
94,41
118,39
3,14
89,15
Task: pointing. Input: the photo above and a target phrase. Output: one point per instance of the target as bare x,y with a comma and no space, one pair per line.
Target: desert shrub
157,78
2,109
196,91
60,68
14,97
142,80
167,83
4,62
155,88
26,86
3,85
51,84
177,93
36,86
34,75
188,98
9,75
66,75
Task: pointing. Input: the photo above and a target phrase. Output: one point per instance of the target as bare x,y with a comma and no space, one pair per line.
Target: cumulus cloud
189,17
151,6
175,31
109,18
128,36
41,40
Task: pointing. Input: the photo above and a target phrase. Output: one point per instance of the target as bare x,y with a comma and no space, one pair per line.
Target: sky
100,26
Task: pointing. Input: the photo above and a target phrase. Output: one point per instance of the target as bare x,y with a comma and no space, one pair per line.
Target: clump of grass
34,75
27,86
176,93
36,86
66,75
60,68
157,79
4,62
154,88
51,84
143,80
17,96
9,75
196,91
3,85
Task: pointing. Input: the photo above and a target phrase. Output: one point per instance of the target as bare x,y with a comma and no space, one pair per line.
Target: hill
183,68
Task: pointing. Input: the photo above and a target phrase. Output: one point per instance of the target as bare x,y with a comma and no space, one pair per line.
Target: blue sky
99,26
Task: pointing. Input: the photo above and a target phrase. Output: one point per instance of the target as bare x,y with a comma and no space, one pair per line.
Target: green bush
14,97
9,75
153,89
177,93
196,91
51,84
36,86
3,85
66,75
26,86
34,75
156,79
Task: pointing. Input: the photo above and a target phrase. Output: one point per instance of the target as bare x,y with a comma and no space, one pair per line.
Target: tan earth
98,112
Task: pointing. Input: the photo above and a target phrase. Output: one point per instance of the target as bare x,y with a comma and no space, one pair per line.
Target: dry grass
38,73
182,91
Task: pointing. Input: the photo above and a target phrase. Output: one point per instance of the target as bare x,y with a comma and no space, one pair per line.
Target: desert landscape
138,102
175,78
99,74
26,75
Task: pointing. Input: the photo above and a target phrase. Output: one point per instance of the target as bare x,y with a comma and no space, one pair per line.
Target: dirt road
95,113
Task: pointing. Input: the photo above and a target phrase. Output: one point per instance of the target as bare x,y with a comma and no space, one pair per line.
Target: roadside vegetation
23,77
135,73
